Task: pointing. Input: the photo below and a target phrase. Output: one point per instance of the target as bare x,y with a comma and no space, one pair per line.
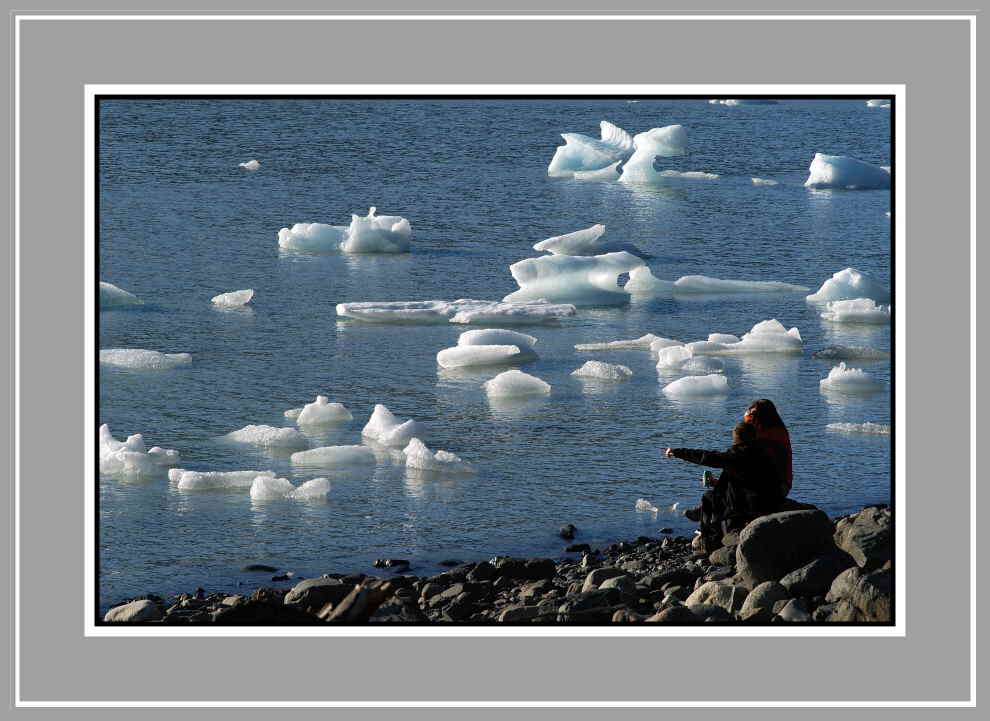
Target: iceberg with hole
583,242
690,386
668,141
881,429
850,284
111,296
384,428
233,299
858,310
768,336
269,437
839,171
214,480
849,380
131,458
421,458
644,342
851,352
579,280
335,457
583,153
319,412
141,359
463,311
370,234
249,165
515,384
599,370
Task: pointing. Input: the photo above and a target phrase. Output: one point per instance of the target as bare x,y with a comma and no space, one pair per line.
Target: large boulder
866,536
723,595
595,579
134,612
317,592
590,607
861,596
815,578
772,546
763,597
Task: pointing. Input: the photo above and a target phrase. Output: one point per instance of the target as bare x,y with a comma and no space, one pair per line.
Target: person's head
763,413
744,433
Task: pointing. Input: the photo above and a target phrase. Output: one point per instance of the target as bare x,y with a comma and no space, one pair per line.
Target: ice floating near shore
583,242
515,384
768,336
608,174
741,101
584,153
319,412
859,310
463,356
335,457
851,352
642,280
878,103
141,359
111,296
576,279
673,357
388,430
688,174
603,371
130,458
849,380
763,181
691,386
464,311
370,234
214,480
250,165
644,342
881,429
839,171
645,506
496,336
668,141
850,284
268,488
659,344
420,457
233,299
269,437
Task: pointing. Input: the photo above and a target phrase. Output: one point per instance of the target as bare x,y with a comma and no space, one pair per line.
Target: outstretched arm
715,459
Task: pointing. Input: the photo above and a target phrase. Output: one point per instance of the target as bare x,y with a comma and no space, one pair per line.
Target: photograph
508,361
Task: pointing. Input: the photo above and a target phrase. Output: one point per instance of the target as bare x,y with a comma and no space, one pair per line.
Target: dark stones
815,578
666,530
772,546
518,613
317,592
595,606
578,548
263,613
866,536
259,567
675,615
567,531
526,569
391,563
484,571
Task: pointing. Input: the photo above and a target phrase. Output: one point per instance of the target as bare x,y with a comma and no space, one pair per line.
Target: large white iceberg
768,336
130,458
515,383
370,234
233,299
644,342
858,310
335,457
269,437
111,295
659,344
464,311
849,284
420,457
849,380
583,153
141,359
463,356
709,385
839,171
214,480
603,371
388,430
574,279
583,242
668,141
881,429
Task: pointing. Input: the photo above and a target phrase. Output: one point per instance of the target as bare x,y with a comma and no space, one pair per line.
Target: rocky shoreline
795,566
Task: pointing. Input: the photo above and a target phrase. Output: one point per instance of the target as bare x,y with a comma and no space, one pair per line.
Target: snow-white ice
268,488
420,457
849,284
335,457
660,343
496,336
111,295
603,371
464,311
858,310
388,430
839,171
370,234
881,429
688,175
668,141
233,299
673,357
608,174
130,458
723,338
214,480
689,386
878,103
644,342
269,437
574,279
250,165
768,336
849,380
742,101
851,352
515,383
463,356
313,489
763,181
141,359
582,153
319,412
704,284
645,506
583,242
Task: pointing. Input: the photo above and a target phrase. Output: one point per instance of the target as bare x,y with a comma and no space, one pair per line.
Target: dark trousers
731,504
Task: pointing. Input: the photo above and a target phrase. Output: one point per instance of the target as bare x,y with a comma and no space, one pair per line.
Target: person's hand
669,453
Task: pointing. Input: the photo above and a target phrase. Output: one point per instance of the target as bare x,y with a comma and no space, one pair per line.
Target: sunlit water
181,222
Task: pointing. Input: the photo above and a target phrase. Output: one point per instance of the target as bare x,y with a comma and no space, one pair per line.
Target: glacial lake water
180,222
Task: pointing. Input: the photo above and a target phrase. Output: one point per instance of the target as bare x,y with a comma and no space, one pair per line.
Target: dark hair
744,433
765,414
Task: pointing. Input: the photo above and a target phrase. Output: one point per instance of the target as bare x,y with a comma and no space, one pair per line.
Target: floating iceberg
319,412
463,356
688,175
514,383
859,310
130,459
603,371
371,234
388,430
111,295
839,171
644,342
703,284
268,488
583,242
138,358
709,385
742,101
768,336
583,153
763,181
214,480
335,457
496,336
269,437
668,141
313,490
723,338
644,506
703,364
878,103
849,380
250,165
851,352
660,343
673,357
420,457
233,299
608,174
463,311
850,284
575,279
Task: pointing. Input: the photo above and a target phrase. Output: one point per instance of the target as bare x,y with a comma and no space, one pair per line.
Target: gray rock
763,597
595,606
534,591
866,537
815,578
624,615
674,615
526,569
625,584
710,614
484,571
725,596
772,546
756,616
518,613
134,612
594,579
724,556
460,609
317,592
430,590
794,611
234,600
861,596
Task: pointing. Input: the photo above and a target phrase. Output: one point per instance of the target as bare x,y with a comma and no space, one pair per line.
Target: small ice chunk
130,459
704,284
141,359
233,299
723,338
268,488
583,242
849,380
214,480
335,457
269,437
583,153
609,173
420,457
768,336
164,456
603,371
849,284
660,343
463,356
859,310
644,506
878,103
385,428
312,237
763,181
851,352
249,165
668,141
370,234
315,489
578,280
515,383
839,171
673,357
742,101
321,412
111,295
644,342
881,429
688,174
464,311
689,386
496,336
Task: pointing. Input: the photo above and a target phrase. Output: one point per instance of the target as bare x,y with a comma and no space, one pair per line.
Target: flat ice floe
688,175
839,171
583,242
851,352
584,153
464,311
668,141
370,234
642,280
384,428
496,336
741,101
690,386
214,480
141,359
575,279
763,181
233,299
515,384
269,437
644,342
419,457
599,370
319,412
130,458
768,336
881,429
463,356
673,357
878,103
849,380
111,295
335,457
859,310
249,165
268,488
850,284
